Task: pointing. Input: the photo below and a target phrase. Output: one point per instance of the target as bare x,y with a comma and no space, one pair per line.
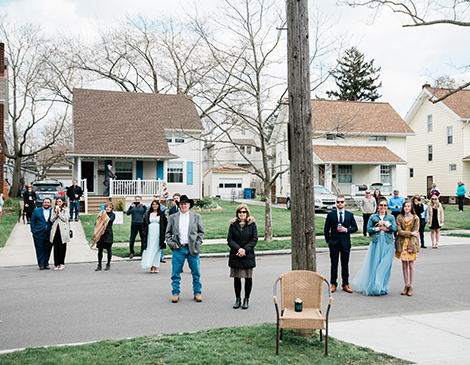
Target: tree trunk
15,186
300,138
268,230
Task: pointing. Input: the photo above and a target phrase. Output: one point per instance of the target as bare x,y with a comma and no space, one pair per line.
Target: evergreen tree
356,78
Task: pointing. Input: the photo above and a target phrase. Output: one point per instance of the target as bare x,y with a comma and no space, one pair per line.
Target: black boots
237,304
245,303
108,266
98,268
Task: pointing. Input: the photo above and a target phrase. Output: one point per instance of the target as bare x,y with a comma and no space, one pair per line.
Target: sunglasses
433,199
340,201
242,212
382,205
367,192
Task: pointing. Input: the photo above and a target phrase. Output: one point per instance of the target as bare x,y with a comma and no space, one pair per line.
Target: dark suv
51,189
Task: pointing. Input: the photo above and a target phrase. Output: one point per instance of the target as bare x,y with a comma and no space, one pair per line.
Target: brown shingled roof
356,117
356,155
459,102
129,124
229,167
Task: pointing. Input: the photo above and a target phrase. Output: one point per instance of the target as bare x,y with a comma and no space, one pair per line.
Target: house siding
443,154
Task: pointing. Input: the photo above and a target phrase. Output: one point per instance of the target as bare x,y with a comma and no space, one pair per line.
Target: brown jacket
440,215
402,233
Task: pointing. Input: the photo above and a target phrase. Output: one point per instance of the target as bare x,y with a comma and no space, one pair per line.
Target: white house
147,138
440,151
354,144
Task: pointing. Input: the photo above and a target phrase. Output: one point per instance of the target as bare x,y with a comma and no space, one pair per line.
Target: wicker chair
308,286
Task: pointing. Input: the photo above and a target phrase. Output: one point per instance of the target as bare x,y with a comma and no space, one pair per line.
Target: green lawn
215,223
9,219
453,220
254,344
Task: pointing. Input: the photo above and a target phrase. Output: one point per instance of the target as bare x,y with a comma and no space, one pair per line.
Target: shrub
206,203
120,206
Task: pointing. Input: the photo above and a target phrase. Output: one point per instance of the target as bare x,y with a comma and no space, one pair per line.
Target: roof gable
129,124
459,102
356,117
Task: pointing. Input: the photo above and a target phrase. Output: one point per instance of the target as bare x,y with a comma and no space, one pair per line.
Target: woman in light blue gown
374,276
153,240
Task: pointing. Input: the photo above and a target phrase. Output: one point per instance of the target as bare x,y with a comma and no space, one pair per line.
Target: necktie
341,217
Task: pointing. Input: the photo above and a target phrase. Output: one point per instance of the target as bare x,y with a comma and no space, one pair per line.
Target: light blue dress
374,276
151,256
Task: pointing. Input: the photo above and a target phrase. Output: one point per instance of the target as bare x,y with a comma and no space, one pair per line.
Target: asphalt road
40,308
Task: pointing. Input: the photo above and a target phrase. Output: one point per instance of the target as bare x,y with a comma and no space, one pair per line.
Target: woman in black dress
106,240
435,219
29,199
242,239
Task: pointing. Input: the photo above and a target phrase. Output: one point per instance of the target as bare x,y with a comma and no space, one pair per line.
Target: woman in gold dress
407,244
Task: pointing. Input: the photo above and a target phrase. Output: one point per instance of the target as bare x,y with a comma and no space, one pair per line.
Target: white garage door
227,187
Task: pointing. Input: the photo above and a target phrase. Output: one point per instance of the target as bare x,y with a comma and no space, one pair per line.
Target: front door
88,173
429,184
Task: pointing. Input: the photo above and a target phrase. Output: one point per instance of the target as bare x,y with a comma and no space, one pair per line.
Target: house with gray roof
148,139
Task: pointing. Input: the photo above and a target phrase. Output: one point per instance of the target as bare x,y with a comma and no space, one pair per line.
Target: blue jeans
177,262
74,205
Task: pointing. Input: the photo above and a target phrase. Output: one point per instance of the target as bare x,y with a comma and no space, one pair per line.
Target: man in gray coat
368,206
184,235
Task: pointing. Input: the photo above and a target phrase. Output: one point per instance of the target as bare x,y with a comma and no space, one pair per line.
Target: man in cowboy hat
184,235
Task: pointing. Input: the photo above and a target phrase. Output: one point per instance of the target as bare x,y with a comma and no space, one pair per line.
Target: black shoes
237,304
108,266
245,303
98,268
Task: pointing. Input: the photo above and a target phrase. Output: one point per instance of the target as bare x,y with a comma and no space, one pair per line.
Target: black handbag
71,233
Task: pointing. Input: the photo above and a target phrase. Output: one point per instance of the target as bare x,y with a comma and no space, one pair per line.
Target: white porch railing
135,187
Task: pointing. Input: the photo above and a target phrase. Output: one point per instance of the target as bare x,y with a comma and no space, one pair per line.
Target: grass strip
9,218
255,344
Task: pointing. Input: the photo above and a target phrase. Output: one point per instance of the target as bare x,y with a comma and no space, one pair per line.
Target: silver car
324,199
51,189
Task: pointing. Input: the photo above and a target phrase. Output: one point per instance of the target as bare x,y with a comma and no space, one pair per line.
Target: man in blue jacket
339,225
137,210
41,230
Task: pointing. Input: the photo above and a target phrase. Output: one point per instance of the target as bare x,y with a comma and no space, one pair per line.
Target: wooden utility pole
300,138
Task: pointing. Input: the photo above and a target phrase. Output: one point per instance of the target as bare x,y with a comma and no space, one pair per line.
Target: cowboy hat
185,199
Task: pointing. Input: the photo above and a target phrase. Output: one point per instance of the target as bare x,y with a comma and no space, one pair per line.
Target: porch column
393,178
328,176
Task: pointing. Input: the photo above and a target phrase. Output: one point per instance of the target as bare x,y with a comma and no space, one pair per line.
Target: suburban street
40,308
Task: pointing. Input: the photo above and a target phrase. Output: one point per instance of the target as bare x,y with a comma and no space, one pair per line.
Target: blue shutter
139,170
189,173
160,170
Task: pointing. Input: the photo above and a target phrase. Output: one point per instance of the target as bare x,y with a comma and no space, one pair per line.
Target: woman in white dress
153,240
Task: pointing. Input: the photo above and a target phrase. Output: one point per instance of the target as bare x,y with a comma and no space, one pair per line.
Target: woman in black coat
29,199
242,239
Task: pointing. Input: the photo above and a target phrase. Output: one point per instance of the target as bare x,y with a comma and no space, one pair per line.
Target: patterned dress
404,255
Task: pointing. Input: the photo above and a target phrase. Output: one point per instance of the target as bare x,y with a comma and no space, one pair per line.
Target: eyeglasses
242,212
340,201
382,205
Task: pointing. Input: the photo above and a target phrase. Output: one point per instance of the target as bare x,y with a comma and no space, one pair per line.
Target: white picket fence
135,187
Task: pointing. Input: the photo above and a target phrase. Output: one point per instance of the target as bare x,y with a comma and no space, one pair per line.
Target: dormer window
377,138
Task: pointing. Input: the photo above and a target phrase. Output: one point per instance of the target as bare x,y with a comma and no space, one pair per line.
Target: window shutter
189,173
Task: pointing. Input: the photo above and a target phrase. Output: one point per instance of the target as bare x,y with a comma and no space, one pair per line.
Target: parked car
324,199
51,189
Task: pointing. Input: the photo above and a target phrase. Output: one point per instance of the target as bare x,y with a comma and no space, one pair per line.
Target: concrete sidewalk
19,249
431,339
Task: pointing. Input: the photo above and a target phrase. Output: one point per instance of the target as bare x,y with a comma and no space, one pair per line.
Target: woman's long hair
402,211
159,210
63,203
434,202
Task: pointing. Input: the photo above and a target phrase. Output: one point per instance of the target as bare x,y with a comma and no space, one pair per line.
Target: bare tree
424,13
31,107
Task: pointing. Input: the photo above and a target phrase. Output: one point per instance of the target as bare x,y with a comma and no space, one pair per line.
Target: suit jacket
335,238
195,234
39,226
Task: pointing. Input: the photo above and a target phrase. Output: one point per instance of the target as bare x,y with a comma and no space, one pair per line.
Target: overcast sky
409,57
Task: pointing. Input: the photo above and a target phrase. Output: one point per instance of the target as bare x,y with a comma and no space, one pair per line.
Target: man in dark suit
339,224
41,229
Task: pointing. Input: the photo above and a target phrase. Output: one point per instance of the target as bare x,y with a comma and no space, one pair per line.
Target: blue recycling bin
247,193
